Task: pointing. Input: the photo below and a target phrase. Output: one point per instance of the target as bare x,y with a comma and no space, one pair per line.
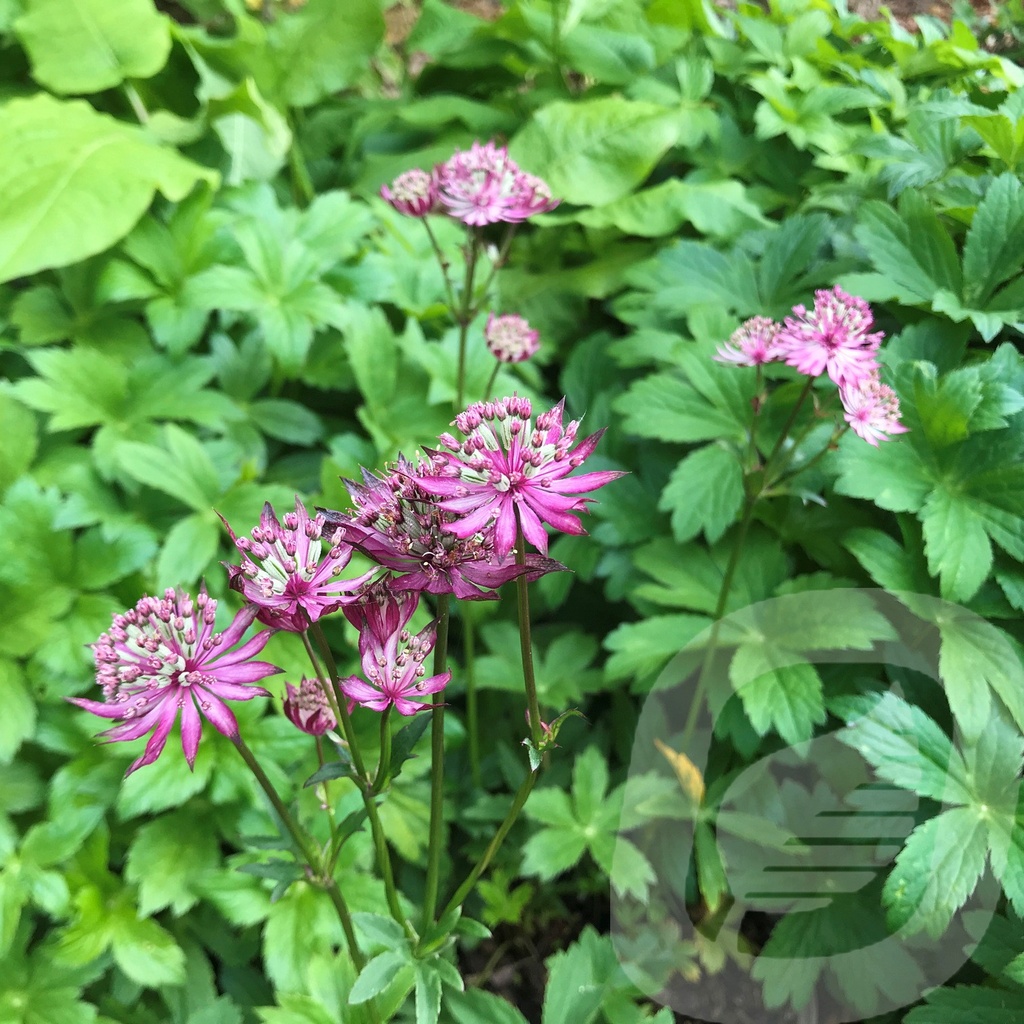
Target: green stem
525,639
443,263
309,850
492,848
464,317
436,771
752,446
363,784
791,419
720,605
499,262
136,102
472,714
384,763
491,380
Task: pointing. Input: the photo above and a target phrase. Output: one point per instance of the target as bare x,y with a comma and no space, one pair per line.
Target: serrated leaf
75,181
378,974
704,492
994,248
893,476
937,870
956,544
476,1006
187,551
18,721
779,691
428,993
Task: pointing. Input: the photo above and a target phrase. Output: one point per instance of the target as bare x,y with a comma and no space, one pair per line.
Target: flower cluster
162,657
835,338
479,186
510,339
446,524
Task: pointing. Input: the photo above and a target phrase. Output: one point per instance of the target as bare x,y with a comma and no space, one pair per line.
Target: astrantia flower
510,338
392,658
753,344
401,527
872,410
834,337
306,707
163,657
484,185
292,570
508,468
413,193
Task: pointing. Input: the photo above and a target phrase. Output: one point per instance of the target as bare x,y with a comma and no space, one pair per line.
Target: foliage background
206,306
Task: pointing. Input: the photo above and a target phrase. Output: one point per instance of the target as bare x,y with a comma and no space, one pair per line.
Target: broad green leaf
79,387
475,1006
83,46
888,564
957,546
75,181
371,348
146,952
594,151
589,784
969,1004
573,994
640,649
893,476
936,871
301,925
551,851
166,856
705,492
187,550
428,993
321,47
183,469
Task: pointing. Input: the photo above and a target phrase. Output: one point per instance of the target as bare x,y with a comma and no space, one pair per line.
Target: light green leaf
705,492
994,249
595,151
18,721
75,181
573,994
83,46
641,648
19,440
378,974
476,1006
190,546
893,476
146,952
428,993
936,871
551,851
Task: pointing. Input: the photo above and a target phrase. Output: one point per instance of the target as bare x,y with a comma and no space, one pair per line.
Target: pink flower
307,708
872,410
508,470
392,658
163,657
413,193
753,344
400,526
485,186
510,338
833,337
286,572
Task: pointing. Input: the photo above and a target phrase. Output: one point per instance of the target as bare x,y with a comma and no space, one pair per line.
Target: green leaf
75,181
994,249
428,993
906,747
888,564
779,691
936,871
19,440
403,743
573,994
640,649
379,931
705,492
373,353
18,721
969,1004
190,546
595,151
475,1006
958,549
893,476
147,953
166,856
321,47
589,784
182,469
285,420
551,851
378,974
83,46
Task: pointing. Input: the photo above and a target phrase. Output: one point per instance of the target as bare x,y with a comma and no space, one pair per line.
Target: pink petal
191,728
218,714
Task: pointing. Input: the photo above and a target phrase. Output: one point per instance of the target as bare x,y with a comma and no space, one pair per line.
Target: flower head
413,193
287,573
306,707
510,338
484,185
392,658
162,657
833,337
401,527
752,344
510,472
872,410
